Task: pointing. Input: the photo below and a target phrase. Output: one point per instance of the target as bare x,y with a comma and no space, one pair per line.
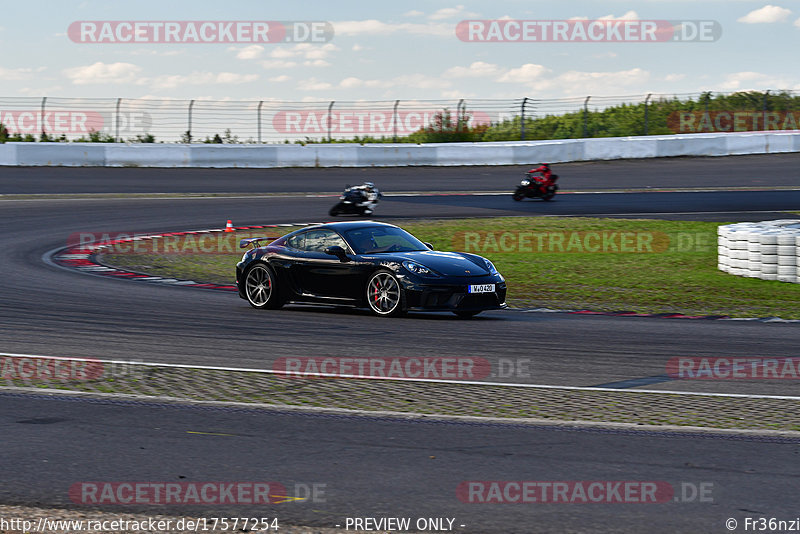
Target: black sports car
366,264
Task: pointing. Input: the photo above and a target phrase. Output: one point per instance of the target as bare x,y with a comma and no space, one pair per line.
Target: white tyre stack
769,254
787,256
769,250
723,248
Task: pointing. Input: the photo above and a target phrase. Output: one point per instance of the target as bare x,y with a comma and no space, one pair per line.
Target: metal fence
275,121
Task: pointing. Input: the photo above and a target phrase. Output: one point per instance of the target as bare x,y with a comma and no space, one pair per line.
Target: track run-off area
376,465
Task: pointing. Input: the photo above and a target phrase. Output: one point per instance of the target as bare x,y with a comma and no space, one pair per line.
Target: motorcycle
355,201
535,185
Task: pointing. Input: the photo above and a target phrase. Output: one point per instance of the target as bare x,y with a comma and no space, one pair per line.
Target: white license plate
481,288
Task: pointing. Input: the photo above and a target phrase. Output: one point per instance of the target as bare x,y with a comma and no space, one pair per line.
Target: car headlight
418,269
490,266
525,181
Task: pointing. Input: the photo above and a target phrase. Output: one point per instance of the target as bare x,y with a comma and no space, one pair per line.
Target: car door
322,275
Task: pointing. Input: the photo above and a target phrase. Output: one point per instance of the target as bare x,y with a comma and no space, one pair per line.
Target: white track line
398,379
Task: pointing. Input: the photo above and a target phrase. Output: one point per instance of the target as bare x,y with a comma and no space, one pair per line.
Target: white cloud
416,81
766,14
477,69
306,51
351,82
357,48
457,94
451,12
277,64
630,15
171,81
16,74
312,84
232,78
376,27
165,53
797,23
100,72
421,81
316,63
280,79
576,83
413,13
582,81
40,91
248,52
674,77
757,81
527,73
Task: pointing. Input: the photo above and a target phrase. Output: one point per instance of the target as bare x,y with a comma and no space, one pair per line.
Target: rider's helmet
369,186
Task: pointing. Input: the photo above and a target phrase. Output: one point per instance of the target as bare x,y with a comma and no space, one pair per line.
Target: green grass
679,274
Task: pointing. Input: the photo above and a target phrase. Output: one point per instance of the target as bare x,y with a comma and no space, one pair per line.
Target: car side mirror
427,245
337,251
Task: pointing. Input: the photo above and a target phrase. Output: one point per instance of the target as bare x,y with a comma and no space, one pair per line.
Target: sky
394,50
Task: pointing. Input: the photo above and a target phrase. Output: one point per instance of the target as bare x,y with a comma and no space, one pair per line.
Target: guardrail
393,155
769,250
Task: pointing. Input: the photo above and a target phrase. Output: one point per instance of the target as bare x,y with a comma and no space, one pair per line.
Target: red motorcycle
538,183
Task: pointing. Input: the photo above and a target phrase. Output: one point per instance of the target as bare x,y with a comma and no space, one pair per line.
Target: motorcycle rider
547,180
370,195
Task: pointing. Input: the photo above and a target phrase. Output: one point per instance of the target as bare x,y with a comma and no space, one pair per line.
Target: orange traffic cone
229,226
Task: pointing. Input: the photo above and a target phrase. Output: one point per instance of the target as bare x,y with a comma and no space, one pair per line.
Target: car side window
297,241
319,240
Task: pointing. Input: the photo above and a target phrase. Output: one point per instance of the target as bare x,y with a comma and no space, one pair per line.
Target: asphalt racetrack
377,467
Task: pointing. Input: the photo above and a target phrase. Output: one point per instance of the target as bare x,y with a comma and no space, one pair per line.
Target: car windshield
375,239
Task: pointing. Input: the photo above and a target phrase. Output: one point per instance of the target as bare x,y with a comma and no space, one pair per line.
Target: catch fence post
586,117
189,131
394,120
41,118
330,110
116,134
522,120
260,103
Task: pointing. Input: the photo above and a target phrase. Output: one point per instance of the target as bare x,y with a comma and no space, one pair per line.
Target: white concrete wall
399,154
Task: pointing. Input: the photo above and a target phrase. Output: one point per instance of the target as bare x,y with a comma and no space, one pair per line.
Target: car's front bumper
454,297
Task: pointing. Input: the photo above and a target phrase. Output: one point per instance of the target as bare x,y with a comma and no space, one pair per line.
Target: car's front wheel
384,294
260,287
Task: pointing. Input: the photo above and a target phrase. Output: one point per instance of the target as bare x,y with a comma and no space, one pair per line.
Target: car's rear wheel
260,287
384,294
